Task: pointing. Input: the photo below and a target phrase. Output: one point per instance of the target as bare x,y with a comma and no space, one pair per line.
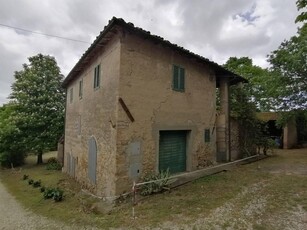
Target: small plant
57,195
53,164
37,184
48,193
52,160
25,177
160,183
30,181
53,193
42,189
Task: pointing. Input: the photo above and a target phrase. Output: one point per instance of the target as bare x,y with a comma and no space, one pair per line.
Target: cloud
213,29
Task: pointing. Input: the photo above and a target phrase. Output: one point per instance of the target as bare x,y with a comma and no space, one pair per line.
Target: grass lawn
280,180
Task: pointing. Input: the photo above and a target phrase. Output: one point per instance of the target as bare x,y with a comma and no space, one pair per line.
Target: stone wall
146,88
94,115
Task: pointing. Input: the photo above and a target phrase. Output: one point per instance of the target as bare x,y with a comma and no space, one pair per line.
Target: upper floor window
80,88
207,135
178,78
71,95
97,77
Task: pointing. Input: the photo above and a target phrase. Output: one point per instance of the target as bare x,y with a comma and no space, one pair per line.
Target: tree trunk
40,157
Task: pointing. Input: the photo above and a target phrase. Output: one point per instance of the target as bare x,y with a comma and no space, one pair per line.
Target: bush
42,189
57,195
36,184
25,177
53,164
53,193
9,159
48,193
52,160
30,181
157,186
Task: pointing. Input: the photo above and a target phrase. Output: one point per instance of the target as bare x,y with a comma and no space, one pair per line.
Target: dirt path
14,216
248,210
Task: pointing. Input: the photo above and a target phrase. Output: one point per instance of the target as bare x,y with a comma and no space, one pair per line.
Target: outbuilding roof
106,35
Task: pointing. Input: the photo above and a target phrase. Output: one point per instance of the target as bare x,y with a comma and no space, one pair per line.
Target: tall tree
39,102
260,81
289,62
301,5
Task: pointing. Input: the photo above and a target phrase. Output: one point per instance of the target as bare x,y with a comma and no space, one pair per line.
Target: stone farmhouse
137,103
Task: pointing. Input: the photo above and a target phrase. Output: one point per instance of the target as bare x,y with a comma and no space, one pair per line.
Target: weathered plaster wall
146,88
95,115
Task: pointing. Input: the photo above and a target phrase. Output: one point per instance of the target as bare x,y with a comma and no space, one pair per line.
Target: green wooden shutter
172,151
181,77
207,135
95,76
98,75
175,77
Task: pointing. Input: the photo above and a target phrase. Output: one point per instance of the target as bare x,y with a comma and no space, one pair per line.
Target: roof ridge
129,25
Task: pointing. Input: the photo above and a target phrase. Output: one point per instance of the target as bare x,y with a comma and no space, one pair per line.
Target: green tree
260,82
246,100
12,150
301,5
289,63
39,102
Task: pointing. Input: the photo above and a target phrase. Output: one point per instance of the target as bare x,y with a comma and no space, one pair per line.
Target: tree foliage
39,101
301,5
289,64
12,151
260,82
246,100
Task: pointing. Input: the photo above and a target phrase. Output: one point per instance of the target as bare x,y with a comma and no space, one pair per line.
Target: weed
160,183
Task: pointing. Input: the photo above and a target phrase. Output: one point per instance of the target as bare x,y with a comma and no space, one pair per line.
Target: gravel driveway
14,216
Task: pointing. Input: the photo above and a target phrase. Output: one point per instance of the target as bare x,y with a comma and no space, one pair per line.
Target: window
71,95
97,77
207,135
178,78
80,88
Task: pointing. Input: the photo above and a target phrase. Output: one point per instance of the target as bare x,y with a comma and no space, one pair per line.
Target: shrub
53,193
52,160
53,164
48,193
9,159
42,189
57,195
36,184
157,186
30,181
25,177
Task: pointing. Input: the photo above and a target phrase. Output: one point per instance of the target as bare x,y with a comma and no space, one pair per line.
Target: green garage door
172,151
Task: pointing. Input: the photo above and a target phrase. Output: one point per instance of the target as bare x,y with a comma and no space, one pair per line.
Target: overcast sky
214,29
